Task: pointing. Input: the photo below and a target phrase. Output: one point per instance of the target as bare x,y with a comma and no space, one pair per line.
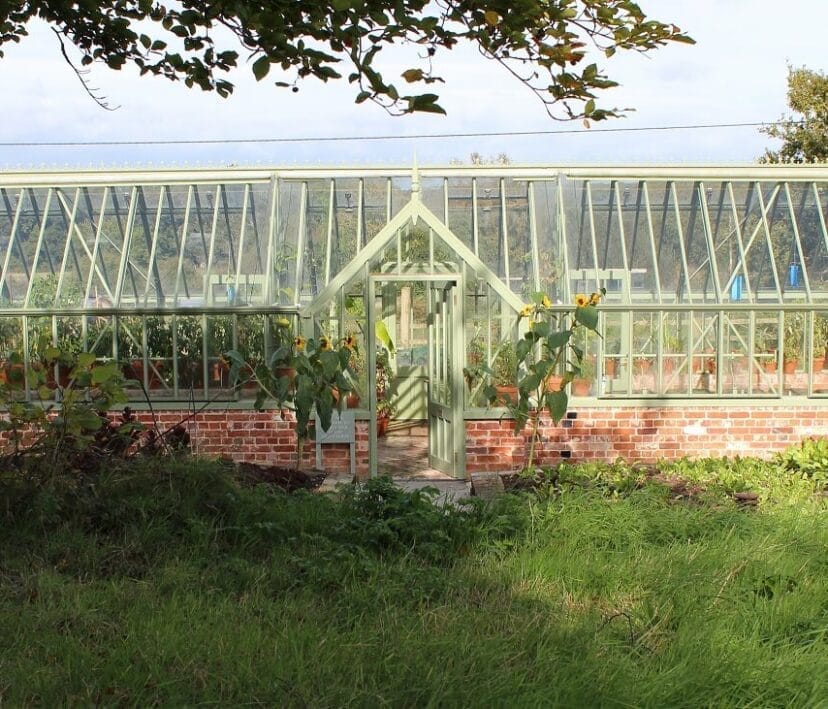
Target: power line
342,138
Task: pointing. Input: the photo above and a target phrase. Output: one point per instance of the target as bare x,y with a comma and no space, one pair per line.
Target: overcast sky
735,73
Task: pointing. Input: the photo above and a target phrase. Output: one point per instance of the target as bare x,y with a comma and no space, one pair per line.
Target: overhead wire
343,138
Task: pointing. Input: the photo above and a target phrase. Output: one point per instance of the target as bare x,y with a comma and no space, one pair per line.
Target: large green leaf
556,403
588,317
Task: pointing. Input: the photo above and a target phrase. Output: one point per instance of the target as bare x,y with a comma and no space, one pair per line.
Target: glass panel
735,360
766,349
810,220
490,224
549,258
460,212
819,351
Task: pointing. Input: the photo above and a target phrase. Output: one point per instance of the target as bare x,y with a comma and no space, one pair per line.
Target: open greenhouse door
446,441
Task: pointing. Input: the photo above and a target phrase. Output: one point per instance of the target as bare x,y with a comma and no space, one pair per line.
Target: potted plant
765,343
818,351
582,382
792,345
505,372
385,410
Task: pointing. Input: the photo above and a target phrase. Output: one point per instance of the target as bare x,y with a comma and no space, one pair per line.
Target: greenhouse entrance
422,315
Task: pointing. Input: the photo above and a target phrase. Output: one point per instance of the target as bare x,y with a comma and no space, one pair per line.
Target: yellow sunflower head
594,299
349,342
581,300
545,302
526,311
299,343
324,343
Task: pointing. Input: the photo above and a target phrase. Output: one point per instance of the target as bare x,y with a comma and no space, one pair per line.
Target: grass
168,584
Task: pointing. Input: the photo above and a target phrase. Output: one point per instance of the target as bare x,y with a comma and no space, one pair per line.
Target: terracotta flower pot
508,394
581,387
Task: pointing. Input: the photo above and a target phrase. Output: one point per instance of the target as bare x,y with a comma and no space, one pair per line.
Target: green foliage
166,584
547,346
305,39
804,134
301,375
67,425
809,460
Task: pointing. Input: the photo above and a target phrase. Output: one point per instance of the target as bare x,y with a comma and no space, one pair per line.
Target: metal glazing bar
272,219
475,220
741,245
38,248
609,210
93,255
12,239
711,247
211,251
533,237
182,247
594,241
504,221
798,243
300,240
242,233
644,191
67,246
226,208
122,267
446,201
329,232
42,219
388,193
563,247
768,242
255,224
153,244
360,235
622,237
821,214
682,244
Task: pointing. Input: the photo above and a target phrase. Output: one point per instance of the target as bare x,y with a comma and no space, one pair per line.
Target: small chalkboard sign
342,428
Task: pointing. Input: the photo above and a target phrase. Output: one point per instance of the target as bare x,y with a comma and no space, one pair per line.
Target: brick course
646,435
590,434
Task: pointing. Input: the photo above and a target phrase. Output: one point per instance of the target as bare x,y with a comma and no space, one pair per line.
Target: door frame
458,360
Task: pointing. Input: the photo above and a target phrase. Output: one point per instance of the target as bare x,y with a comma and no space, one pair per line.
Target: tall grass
172,585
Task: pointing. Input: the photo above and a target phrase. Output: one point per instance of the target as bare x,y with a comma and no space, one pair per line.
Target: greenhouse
716,304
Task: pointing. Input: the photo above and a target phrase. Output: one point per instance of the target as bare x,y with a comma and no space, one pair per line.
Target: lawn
167,583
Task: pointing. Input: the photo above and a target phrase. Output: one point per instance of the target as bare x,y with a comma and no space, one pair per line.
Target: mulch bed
288,479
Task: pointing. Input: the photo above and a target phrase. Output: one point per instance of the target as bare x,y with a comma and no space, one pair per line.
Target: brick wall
642,434
645,434
260,437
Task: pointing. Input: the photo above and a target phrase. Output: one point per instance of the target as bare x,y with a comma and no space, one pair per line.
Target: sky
735,73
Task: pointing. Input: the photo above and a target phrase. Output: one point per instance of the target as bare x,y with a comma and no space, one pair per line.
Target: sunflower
526,311
299,343
581,300
324,343
594,299
349,342
545,302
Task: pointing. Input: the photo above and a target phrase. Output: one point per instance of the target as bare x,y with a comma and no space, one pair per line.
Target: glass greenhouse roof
174,240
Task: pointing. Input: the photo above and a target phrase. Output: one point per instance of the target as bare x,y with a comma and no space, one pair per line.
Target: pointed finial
415,180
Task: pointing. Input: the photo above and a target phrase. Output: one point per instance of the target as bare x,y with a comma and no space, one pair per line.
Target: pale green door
446,450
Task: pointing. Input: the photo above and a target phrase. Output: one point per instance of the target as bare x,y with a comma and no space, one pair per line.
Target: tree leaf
412,75
261,67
